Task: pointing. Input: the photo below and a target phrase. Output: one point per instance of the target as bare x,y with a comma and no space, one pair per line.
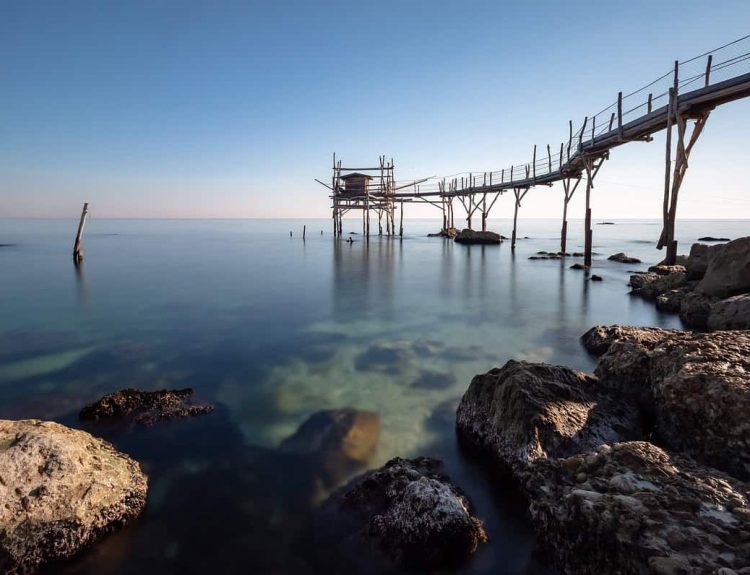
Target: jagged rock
728,270
698,386
623,259
468,236
406,514
671,301
730,313
145,407
702,397
649,286
664,270
633,509
525,411
338,440
60,490
695,308
598,339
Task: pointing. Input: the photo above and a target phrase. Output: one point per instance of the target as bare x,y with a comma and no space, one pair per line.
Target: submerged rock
406,514
623,258
579,266
596,278
526,411
468,236
60,490
730,314
728,271
636,507
339,440
145,407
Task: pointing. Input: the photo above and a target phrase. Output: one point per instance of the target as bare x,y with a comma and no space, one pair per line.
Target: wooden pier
687,93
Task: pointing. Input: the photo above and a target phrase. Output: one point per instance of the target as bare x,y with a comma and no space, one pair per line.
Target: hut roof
356,175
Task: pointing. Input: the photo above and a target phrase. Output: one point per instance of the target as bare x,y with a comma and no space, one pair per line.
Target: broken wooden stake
77,249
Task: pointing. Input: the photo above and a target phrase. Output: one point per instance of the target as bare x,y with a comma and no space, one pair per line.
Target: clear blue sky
229,109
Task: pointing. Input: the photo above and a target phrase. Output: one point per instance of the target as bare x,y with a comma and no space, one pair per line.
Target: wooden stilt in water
77,249
568,196
401,220
519,196
304,230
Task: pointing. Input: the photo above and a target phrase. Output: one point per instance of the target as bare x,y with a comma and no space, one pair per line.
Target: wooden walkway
687,93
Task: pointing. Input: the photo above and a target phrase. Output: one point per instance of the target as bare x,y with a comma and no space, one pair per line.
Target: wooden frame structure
581,157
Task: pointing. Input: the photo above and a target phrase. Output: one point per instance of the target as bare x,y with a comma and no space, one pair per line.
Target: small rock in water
406,514
596,278
579,266
712,239
468,236
145,407
605,224
623,259
61,490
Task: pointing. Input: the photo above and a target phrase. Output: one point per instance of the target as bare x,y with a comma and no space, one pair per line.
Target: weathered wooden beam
77,249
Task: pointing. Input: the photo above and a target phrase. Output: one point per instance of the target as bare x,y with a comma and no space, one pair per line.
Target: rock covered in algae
61,489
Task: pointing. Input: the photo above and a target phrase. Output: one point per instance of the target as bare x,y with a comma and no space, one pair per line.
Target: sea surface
273,328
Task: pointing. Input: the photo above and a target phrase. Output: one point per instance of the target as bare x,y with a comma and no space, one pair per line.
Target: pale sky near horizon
230,109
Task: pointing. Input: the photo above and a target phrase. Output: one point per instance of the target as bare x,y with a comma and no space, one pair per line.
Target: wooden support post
650,100
667,171
77,249
519,196
304,230
619,115
611,121
570,137
580,136
533,164
588,231
708,68
401,220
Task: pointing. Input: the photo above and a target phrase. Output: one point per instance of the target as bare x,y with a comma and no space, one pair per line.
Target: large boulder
468,236
60,490
145,407
405,515
730,313
338,441
634,509
699,388
598,339
728,271
671,301
699,258
695,309
525,411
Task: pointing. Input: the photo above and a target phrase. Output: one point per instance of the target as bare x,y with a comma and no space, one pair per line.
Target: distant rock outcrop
468,236
60,490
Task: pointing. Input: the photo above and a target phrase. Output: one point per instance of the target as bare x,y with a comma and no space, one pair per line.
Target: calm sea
272,329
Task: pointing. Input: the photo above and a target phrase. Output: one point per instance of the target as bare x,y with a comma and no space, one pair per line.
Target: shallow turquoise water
272,329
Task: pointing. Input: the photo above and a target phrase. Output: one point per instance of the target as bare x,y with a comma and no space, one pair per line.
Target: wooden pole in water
401,220
304,230
588,231
77,249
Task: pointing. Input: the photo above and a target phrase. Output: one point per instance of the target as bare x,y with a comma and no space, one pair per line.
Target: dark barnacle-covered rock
145,407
